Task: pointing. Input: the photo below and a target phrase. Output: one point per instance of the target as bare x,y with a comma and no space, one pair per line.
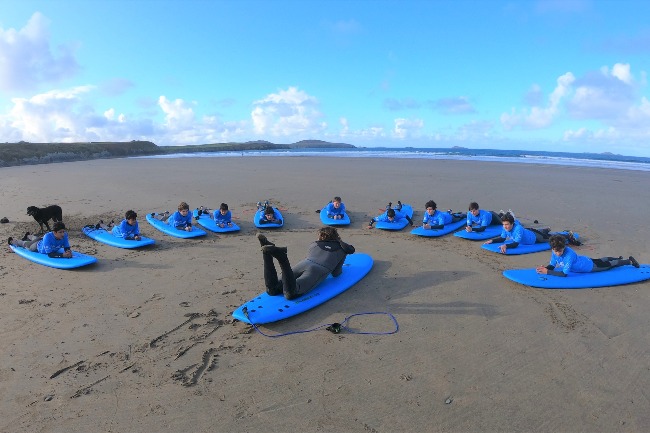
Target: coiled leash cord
335,327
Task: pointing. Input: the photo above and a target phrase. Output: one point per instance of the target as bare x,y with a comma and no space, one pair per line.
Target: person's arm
551,271
497,240
136,232
408,218
126,230
347,248
510,245
51,246
479,229
338,270
439,223
372,221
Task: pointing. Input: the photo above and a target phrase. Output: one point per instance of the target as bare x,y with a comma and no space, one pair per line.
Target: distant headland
24,153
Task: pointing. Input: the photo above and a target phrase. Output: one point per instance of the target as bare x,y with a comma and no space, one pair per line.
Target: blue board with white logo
397,224
578,280
446,229
524,249
333,222
173,231
206,220
258,216
108,238
266,309
77,260
489,233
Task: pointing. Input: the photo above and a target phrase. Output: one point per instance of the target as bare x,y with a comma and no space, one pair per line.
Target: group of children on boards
327,254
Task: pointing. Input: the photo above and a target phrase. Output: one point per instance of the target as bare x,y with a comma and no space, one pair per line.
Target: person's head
58,228
130,216
473,208
390,213
431,207
336,202
183,208
269,212
557,243
328,234
508,221
223,208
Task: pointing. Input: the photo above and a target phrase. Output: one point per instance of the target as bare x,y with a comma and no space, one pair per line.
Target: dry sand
509,357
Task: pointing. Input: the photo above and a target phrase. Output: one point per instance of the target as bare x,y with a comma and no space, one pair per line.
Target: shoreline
511,358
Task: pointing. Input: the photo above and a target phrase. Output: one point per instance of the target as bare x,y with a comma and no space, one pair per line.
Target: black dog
43,215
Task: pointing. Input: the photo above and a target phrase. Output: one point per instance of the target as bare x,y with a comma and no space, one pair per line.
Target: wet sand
143,340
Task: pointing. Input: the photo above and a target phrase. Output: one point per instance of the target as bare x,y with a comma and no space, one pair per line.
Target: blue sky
567,75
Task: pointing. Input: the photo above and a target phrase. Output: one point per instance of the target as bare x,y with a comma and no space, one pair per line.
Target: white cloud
288,113
48,116
178,115
27,60
604,95
407,128
620,71
345,127
541,117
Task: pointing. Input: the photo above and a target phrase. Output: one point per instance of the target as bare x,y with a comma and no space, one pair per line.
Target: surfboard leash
335,328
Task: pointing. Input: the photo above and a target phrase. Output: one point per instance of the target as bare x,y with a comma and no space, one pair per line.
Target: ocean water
600,160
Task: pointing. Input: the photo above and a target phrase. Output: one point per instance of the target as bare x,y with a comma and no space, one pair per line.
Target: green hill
24,153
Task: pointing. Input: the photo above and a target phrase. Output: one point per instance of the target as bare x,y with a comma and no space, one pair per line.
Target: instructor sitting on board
326,256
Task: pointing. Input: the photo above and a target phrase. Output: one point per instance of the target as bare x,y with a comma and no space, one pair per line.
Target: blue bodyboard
109,238
331,221
489,233
209,223
77,260
266,309
260,213
523,249
397,225
448,228
574,280
172,231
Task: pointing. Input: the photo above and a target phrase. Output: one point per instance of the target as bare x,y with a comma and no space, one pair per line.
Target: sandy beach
143,341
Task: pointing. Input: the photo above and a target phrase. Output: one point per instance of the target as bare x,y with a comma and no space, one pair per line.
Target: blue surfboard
206,220
331,221
489,233
266,309
446,229
523,249
77,260
397,225
172,231
260,213
109,238
574,280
